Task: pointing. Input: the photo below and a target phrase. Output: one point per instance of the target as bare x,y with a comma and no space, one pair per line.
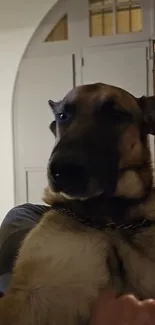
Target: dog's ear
53,127
53,105
147,105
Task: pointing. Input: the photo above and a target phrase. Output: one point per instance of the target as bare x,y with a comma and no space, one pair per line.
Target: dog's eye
63,117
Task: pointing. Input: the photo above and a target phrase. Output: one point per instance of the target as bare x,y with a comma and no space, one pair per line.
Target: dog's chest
69,266
82,272
141,275
137,267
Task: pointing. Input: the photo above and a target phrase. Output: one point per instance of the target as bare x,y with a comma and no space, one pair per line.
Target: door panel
122,66
39,80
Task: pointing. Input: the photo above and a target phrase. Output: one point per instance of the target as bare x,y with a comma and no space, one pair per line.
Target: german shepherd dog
100,231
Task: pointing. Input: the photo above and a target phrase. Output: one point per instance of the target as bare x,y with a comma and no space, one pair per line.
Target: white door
123,66
39,79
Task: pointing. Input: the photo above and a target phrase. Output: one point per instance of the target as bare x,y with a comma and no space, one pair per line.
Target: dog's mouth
82,192
69,179
81,197
85,189
75,182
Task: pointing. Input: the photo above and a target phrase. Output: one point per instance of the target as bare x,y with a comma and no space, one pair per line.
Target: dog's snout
68,176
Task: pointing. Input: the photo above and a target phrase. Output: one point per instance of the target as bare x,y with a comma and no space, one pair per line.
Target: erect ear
147,105
53,127
53,105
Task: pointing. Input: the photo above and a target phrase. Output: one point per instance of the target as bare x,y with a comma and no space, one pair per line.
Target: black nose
68,176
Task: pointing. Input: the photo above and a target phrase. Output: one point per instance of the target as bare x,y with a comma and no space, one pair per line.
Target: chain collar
109,225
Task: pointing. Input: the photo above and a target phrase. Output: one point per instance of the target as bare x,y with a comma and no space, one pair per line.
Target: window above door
109,17
60,31
72,25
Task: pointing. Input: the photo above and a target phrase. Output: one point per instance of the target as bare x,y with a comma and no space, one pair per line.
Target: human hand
125,310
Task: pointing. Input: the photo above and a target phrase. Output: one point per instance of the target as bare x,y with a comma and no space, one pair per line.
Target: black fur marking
116,270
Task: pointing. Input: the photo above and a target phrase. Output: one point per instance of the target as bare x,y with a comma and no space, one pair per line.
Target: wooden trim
74,70
64,21
114,17
153,72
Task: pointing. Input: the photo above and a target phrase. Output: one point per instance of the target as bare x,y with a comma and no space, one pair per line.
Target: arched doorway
76,43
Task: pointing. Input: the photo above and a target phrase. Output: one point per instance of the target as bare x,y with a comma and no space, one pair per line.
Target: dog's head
101,143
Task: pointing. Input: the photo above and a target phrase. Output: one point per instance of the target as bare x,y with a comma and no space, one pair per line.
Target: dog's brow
108,102
111,104
70,107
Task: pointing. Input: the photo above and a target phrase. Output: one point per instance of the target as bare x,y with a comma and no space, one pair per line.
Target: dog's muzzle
67,176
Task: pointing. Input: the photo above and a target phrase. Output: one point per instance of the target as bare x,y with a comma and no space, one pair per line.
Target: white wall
18,21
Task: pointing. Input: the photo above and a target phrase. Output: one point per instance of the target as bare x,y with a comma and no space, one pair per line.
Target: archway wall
18,22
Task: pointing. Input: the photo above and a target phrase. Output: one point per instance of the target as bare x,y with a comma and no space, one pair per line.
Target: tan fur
50,197
62,264
131,148
130,185
54,285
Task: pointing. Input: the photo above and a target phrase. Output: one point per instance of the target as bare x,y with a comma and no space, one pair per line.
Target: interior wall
18,21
